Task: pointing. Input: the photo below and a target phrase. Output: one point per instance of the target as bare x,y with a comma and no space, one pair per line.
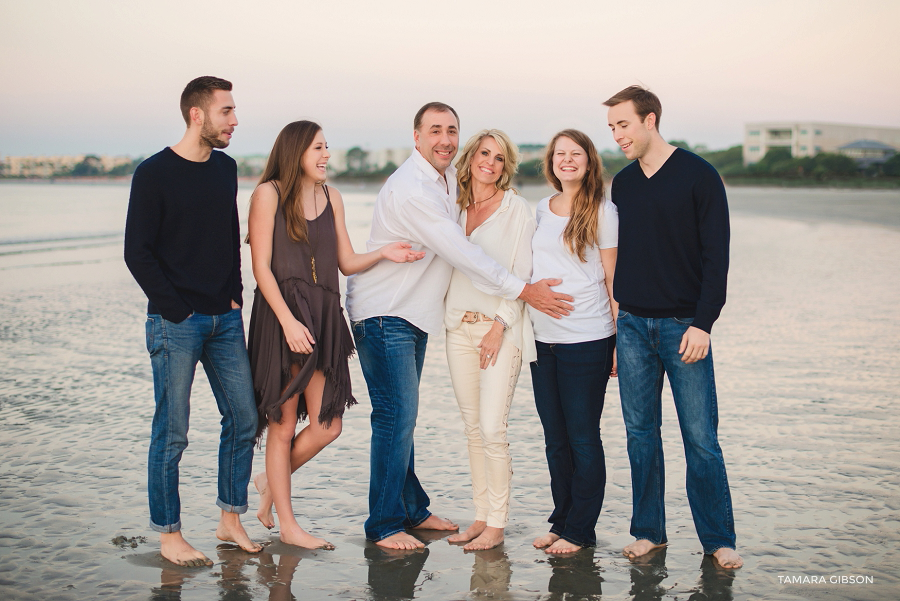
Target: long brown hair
582,231
464,163
284,166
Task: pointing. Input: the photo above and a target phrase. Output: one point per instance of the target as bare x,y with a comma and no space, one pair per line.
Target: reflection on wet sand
575,576
393,573
647,573
491,574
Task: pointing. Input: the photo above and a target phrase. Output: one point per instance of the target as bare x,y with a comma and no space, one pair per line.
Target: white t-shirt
584,281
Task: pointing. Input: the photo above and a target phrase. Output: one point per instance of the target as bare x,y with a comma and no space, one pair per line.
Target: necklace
475,202
312,250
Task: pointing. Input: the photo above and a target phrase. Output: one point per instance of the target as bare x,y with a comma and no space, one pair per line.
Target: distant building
366,160
48,166
867,152
808,138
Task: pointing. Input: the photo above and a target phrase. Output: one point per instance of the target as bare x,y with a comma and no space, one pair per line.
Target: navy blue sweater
182,237
673,240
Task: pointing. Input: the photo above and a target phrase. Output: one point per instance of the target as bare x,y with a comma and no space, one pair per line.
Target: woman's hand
401,252
490,345
615,370
298,337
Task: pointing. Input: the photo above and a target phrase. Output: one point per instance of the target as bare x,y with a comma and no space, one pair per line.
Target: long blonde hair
464,164
284,166
582,231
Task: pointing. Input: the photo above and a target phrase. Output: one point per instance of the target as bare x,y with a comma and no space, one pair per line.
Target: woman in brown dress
299,342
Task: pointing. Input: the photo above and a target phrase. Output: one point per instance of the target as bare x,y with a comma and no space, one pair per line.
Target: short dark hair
645,102
199,93
433,106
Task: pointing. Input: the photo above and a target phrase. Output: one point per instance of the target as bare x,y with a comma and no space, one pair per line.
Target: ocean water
808,369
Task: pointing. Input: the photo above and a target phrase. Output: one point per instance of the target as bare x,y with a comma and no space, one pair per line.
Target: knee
493,434
331,433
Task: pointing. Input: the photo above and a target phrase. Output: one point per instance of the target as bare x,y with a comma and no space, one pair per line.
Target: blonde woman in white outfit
489,337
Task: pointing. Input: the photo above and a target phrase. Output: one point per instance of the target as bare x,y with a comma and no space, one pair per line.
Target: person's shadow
575,576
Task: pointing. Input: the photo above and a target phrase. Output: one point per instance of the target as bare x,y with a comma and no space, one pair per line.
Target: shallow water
808,367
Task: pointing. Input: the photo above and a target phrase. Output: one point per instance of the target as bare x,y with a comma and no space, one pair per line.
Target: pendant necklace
312,252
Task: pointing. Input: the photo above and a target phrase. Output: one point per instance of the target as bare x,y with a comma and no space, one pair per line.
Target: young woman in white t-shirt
575,240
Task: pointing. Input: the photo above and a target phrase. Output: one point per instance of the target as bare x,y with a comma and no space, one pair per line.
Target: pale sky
105,76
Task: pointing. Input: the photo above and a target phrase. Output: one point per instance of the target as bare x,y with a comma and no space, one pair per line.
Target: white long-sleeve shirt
418,205
506,237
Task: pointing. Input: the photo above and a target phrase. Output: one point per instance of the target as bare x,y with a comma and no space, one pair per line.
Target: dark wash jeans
569,389
392,353
648,350
216,341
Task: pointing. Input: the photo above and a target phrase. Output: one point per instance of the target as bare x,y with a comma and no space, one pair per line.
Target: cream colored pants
484,398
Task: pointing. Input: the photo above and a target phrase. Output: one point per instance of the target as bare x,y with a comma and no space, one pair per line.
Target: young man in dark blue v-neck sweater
670,285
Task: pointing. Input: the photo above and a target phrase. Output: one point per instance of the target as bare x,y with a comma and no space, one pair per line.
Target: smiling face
570,161
315,159
219,120
487,163
631,134
438,138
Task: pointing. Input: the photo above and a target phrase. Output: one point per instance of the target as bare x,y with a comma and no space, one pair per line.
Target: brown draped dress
314,298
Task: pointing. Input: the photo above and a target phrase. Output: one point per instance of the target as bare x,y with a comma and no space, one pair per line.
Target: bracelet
499,320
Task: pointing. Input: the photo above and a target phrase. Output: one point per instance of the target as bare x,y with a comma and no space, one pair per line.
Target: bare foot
562,546
542,542
433,522
490,538
728,558
402,541
231,530
471,532
173,547
640,547
264,514
299,537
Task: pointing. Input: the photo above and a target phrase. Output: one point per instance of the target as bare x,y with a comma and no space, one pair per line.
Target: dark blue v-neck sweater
673,240
182,236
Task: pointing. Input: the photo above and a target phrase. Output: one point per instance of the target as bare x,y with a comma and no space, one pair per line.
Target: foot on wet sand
728,558
471,532
174,548
265,501
640,547
490,538
232,531
401,541
299,537
433,522
542,542
562,546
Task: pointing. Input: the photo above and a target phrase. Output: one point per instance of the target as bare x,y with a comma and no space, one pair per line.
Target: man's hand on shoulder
540,296
694,345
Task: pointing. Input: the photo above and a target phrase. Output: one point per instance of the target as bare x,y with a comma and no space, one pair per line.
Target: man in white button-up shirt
394,307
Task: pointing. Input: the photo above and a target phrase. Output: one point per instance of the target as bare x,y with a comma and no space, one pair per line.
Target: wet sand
808,366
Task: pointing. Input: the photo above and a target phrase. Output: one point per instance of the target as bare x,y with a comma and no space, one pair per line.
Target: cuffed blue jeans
216,341
392,353
648,350
569,390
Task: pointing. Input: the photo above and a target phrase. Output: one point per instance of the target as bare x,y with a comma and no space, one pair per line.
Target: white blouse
585,281
505,237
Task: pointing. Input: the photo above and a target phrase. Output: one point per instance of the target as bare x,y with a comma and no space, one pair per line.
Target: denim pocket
359,329
685,321
149,326
622,314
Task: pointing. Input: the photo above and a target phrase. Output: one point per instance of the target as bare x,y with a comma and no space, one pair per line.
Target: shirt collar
429,170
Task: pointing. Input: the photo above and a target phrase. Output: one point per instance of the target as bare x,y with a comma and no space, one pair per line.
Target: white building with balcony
809,138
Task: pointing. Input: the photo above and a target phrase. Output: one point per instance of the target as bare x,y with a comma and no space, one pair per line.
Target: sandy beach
808,367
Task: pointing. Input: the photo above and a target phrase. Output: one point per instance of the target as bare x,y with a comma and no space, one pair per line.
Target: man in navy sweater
182,245
670,285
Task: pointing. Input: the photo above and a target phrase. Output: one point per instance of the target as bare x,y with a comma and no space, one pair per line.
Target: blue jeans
569,389
217,341
392,353
648,349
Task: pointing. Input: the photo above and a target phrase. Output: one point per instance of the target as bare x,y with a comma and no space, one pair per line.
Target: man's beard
210,137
